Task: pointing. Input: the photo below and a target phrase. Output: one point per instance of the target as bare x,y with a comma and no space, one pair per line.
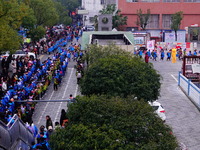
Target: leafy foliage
95,52
29,21
117,73
119,20
12,14
70,5
45,12
143,18
176,22
102,123
64,18
37,33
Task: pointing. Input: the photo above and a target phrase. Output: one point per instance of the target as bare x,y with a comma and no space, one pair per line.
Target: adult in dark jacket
48,122
63,117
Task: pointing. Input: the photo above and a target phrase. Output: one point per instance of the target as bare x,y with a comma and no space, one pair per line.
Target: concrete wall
105,26
93,6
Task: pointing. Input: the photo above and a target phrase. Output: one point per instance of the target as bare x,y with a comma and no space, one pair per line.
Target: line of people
154,54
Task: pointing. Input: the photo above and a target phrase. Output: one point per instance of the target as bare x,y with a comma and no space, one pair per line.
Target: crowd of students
29,78
154,54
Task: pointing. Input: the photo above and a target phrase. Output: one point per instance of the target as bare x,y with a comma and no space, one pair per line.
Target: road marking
76,90
45,108
58,111
174,77
68,82
41,56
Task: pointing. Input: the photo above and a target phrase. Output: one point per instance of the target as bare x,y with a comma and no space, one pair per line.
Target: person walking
55,86
154,55
169,55
162,55
49,123
146,58
63,118
78,76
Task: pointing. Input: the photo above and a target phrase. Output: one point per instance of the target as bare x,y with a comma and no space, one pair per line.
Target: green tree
116,123
37,33
96,52
89,137
110,9
143,18
45,12
70,5
64,18
118,74
30,20
176,22
9,39
12,14
119,20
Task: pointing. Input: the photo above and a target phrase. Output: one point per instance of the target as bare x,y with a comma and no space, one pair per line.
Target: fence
190,89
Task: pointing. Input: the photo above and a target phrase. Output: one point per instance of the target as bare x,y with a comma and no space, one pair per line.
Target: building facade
161,11
92,8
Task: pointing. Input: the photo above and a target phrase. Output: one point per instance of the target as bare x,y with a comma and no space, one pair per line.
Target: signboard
170,36
150,45
196,68
139,40
83,12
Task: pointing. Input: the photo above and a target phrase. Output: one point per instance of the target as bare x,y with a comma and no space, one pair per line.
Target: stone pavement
182,115
53,109
68,86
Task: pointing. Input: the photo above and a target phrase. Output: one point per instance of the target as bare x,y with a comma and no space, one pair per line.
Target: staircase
15,135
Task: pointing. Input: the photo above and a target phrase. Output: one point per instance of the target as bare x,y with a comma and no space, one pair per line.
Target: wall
93,6
190,10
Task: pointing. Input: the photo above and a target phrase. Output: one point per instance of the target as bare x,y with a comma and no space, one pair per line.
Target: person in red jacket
146,58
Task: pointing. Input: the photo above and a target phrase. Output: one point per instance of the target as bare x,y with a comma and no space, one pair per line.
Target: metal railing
190,89
15,134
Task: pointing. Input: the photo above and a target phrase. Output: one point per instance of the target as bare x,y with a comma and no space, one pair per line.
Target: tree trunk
175,35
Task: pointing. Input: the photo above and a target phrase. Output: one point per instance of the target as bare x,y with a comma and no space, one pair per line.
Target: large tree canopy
64,18
101,123
176,22
45,12
143,18
70,5
11,17
28,14
121,75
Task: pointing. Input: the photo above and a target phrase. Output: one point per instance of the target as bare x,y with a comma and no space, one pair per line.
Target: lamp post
84,19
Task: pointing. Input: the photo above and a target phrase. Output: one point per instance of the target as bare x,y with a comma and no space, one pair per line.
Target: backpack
79,75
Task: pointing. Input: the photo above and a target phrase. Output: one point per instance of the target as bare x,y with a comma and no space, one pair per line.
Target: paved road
182,115
53,109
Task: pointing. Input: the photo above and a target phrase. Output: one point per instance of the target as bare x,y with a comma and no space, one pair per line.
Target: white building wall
93,7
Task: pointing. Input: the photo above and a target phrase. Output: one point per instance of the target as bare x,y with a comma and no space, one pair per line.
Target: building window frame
132,1
150,1
171,1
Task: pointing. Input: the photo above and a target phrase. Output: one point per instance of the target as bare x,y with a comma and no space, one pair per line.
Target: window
192,1
153,22
166,21
171,1
91,19
151,1
130,1
102,2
